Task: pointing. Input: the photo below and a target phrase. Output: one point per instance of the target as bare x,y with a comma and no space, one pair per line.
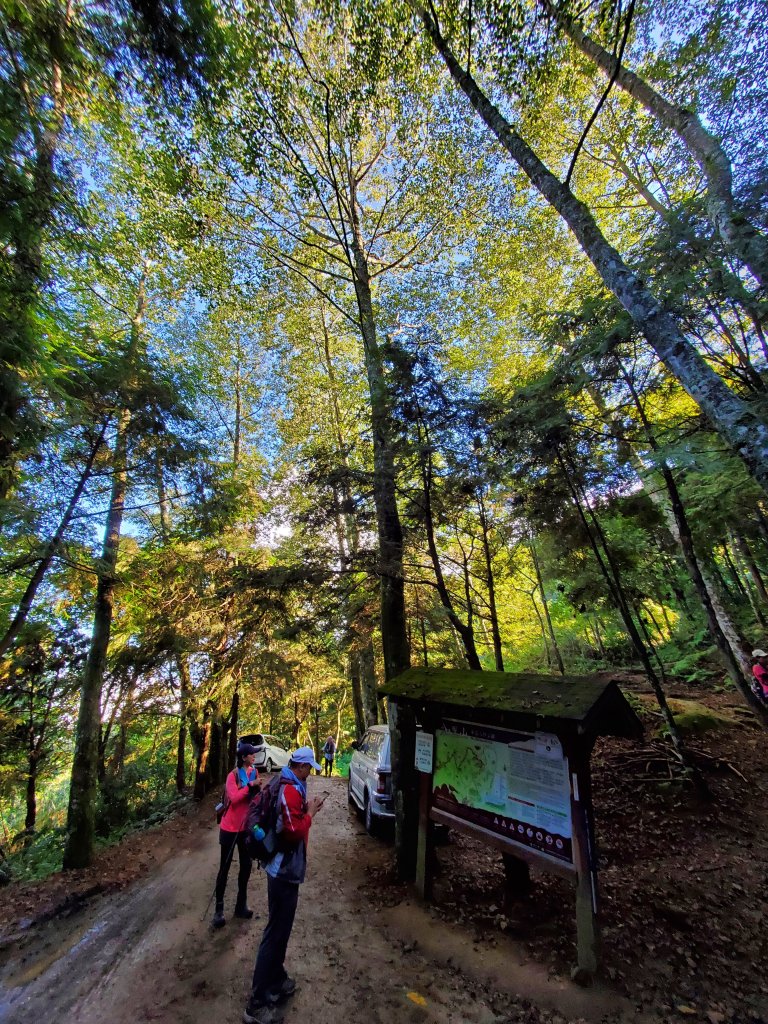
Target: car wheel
350,798
370,820
269,765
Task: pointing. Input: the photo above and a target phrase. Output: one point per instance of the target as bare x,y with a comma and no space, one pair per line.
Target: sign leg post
587,932
424,851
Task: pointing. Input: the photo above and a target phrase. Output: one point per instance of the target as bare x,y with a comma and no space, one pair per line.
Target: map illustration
505,783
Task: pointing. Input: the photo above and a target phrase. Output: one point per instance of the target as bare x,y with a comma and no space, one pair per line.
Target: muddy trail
144,954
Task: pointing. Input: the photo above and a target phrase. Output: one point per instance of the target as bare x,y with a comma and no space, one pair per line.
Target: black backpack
262,818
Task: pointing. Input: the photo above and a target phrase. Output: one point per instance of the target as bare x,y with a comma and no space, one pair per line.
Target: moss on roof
568,698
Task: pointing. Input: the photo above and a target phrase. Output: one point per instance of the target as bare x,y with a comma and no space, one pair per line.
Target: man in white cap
285,873
760,672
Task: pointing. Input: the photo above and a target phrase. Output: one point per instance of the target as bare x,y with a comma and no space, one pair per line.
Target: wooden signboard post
505,758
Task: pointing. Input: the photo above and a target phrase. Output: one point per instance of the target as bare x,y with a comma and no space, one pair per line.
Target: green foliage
341,764
35,856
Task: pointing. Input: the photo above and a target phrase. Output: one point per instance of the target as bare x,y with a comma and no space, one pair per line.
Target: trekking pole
230,855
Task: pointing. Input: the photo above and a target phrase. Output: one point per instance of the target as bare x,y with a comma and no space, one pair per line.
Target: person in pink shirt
760,672
242,783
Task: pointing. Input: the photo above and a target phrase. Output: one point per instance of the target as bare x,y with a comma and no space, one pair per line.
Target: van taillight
383,782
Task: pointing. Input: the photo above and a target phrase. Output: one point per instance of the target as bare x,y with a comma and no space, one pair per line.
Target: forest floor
684,888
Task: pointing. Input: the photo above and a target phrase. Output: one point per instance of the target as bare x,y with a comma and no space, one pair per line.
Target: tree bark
736,422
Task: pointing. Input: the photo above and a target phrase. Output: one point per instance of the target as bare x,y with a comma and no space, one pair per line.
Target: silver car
370,777
270,752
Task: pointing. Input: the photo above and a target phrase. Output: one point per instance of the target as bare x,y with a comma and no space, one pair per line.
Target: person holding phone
285,873
242,783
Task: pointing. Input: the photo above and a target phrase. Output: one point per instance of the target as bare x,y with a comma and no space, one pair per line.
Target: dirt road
145,955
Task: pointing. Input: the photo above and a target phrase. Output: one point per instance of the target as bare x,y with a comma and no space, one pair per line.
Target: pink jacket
239,798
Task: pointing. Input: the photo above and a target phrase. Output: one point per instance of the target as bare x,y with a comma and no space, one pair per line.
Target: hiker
329,752
285,873
760,672
242,783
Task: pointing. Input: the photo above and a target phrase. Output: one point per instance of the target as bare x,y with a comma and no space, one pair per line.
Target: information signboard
424,752
513,783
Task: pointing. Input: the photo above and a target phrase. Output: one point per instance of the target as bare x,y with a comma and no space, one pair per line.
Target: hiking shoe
285,991
218,916
263,1014
244,911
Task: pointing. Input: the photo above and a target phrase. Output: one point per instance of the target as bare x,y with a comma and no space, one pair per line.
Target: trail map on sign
511,783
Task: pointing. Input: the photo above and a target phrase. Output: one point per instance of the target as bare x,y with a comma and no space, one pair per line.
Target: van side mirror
355,745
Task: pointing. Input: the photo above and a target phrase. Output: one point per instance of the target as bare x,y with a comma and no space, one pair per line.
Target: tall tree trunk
84,781
464,629
498,654
542,627
742,237
550,627
215,772
51,548
357,694
196,733
393,625
202,761
33,761
368,684
733,418
78,851
234,716
181,754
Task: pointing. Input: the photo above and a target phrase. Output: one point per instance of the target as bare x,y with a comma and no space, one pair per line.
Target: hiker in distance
760,672
242,783
329,752
285,873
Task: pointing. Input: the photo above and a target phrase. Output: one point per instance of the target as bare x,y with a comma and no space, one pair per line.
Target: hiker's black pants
228,841
269,972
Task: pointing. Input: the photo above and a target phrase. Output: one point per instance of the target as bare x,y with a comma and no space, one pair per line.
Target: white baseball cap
757,653
305,755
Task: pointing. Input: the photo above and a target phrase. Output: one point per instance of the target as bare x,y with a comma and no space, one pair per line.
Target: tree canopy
343,337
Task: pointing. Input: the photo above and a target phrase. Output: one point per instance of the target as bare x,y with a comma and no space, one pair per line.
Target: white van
370,777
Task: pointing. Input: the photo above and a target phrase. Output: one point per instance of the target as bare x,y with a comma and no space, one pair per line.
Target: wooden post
424,849
587,934
402,731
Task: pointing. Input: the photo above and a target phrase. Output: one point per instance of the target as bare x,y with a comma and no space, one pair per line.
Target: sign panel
424,752
515,784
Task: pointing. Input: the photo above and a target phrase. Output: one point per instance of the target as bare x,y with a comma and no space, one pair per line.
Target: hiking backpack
261,822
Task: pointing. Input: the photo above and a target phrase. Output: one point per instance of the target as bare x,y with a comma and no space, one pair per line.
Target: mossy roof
581,701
